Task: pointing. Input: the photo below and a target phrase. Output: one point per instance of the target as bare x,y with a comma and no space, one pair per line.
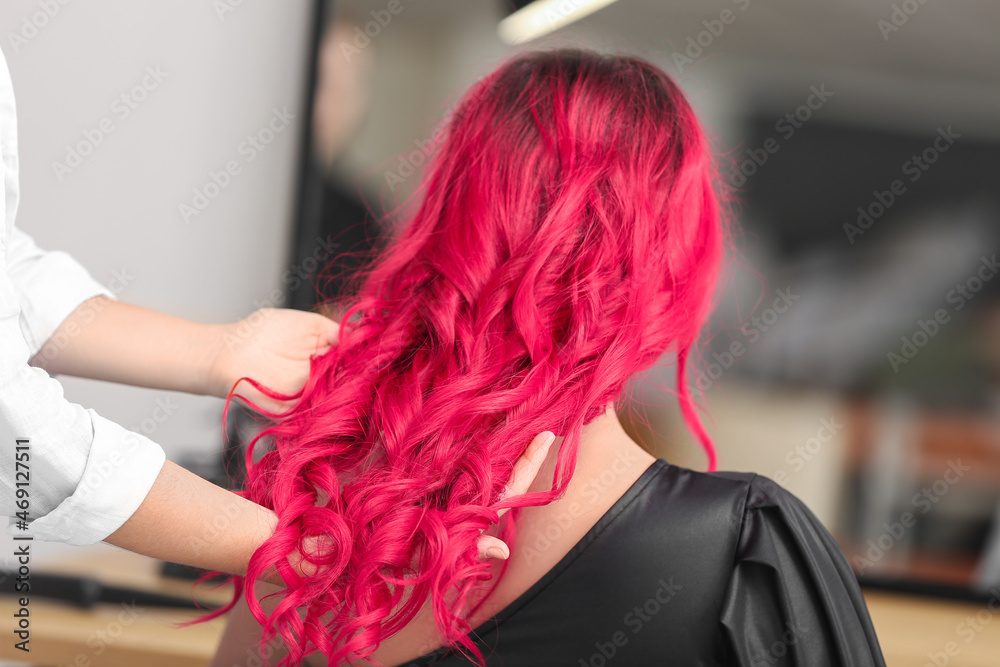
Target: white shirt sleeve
85,475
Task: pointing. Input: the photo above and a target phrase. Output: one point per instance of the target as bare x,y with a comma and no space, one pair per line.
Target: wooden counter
910,629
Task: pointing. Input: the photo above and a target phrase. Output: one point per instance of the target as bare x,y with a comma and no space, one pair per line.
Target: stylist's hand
525,471
273,346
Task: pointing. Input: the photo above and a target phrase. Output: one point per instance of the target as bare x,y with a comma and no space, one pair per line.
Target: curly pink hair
569,235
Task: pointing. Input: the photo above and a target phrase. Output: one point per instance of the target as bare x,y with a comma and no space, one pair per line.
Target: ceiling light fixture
544,16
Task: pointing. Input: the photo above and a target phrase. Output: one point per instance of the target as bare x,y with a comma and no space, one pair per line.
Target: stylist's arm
184,518
180,518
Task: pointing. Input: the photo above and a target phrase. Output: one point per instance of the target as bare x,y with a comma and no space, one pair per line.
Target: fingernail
498,553
547,439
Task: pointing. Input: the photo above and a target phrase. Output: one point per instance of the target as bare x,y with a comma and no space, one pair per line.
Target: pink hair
569,236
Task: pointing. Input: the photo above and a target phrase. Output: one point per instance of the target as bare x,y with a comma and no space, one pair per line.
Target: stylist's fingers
329,334
525,471
527,467
323,330
492,547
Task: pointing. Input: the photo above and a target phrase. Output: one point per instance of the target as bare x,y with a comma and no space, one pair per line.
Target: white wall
119,209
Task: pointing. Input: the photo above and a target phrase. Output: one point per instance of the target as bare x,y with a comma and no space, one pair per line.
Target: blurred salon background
854,353
854,356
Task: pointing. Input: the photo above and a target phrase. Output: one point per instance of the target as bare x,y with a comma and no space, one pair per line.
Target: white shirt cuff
121,469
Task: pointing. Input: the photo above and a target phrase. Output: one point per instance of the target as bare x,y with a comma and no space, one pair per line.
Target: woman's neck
608,461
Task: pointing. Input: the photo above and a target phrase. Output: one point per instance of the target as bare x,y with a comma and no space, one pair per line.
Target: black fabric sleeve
792,598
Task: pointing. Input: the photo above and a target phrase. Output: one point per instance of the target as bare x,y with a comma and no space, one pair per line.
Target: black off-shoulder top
689,569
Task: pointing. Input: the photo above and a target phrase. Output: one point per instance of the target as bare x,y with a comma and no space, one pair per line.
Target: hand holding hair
273,346
525,471
114,341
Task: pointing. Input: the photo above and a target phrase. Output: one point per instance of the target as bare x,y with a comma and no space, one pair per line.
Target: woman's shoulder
722,511
749,490
753,497
708,492
786,577
673,520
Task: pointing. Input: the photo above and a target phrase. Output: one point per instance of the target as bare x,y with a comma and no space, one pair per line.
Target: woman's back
647,563
689,568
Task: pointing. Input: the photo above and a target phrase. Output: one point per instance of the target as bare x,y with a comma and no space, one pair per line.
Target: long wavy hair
568,235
